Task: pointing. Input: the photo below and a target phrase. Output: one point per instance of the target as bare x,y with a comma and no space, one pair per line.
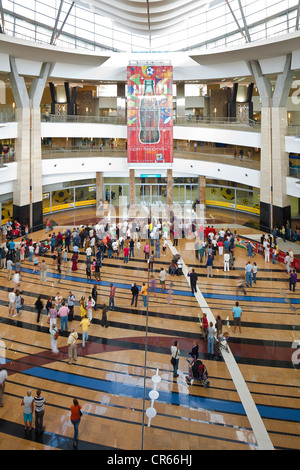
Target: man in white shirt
11,303
222,234
226,261
267,252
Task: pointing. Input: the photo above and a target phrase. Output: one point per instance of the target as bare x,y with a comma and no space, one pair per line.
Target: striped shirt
39,404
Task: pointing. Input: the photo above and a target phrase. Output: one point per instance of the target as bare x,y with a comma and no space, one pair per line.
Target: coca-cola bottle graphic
149,115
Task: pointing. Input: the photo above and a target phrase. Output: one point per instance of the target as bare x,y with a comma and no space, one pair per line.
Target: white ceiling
145,16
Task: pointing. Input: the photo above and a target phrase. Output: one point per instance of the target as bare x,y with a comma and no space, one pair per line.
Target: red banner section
150,114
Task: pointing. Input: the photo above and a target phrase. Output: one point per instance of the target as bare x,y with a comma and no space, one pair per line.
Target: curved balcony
205,153
218,122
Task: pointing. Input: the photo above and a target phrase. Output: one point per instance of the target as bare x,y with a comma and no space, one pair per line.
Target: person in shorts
28,403
237,313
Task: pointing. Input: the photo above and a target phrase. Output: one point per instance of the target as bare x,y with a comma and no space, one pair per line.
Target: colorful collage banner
150,114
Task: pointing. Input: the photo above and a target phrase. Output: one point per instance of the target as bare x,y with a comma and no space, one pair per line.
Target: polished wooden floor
112,377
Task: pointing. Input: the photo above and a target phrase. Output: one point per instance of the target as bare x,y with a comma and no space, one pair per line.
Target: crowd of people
123,241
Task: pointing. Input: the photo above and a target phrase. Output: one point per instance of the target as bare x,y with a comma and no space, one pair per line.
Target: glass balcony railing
222,122
222,155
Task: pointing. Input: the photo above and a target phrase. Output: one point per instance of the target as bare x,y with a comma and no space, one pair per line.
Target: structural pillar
201,207
27,199
121,103
170,187
274,202
180,102
99,187
131,186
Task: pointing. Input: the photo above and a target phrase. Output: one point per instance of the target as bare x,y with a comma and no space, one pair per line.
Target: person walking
54,334
287,261
39,306
19,301
52,315
226,261
126,253
89,306
70,303
248,272
209,266
254,272
175,358
3,378
63,313
210,338
144,294
162,279
219,325
193,280
75,419
39,407
157,248
237,314
11,302
293,280
103,321
151,261
43,271
112,293
135,294
28,403
97,270
72,346
9,266
85,323
95,296
82,306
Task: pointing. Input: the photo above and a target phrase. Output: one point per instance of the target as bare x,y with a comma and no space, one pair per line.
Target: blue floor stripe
174,292
181,399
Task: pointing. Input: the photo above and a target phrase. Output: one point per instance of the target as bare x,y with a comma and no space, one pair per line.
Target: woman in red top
75,419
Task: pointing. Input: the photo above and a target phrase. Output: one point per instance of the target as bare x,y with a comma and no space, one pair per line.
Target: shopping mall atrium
168,122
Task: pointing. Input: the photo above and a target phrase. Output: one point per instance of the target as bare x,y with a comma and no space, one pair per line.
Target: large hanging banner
150,114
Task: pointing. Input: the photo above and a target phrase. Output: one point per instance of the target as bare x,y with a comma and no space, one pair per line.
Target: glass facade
212,25
151,191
